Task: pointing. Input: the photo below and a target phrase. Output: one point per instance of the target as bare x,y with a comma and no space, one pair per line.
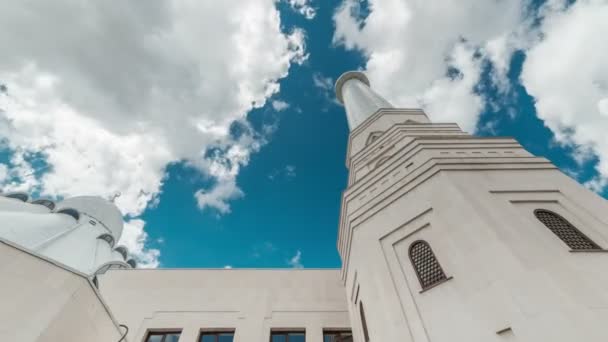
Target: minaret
445,236
352,90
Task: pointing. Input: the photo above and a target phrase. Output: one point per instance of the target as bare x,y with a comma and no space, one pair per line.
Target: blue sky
223,176
281,213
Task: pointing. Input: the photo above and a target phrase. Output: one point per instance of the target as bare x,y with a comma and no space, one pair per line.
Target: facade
443,236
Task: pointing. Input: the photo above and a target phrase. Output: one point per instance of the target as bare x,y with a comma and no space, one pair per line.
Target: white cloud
296,260
412,45
567,74
279,105
224,164
303,7
326,87
218,197
228,267
322,82
423,55
123,89
3,172
134,238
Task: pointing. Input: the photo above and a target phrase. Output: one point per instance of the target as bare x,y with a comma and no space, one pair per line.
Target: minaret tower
445,236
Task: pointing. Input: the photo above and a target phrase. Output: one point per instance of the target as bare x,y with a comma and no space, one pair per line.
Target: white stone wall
509,271
45,302
509,277
250,301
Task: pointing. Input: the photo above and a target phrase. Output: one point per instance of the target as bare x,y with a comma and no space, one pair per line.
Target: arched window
564,230
132,263
45,202
123,251
363,322
108,238
71,212
23,197
425,264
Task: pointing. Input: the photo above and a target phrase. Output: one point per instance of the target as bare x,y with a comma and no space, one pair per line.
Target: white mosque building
443,236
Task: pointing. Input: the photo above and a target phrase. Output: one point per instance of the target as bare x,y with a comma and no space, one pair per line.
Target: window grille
425,264
564,230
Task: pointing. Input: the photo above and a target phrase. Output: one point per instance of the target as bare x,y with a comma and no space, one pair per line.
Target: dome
98,208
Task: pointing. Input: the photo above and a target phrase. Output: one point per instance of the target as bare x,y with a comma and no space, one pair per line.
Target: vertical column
360,101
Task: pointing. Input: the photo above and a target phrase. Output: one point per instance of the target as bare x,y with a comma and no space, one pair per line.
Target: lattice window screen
426,265
564,230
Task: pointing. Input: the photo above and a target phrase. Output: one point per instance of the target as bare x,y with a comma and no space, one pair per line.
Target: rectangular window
217,336
164,336
287,336
337,336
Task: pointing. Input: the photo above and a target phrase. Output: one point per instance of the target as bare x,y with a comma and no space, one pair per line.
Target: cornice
375,117
353,216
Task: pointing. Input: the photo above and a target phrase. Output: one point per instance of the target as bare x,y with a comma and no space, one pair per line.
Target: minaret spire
360,101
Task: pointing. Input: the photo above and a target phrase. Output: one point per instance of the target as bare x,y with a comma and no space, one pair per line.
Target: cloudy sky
214,124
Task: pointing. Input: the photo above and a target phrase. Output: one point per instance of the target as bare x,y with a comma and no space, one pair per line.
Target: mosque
443,236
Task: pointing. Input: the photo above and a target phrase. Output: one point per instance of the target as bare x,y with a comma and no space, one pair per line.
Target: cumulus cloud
304,7
279,105
218,197
107,94
324,83
134,238
567,74
296,260
423,55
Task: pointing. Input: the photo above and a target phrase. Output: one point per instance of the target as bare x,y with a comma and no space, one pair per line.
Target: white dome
98,208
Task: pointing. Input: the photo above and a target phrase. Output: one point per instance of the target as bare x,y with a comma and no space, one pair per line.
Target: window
564,230
71,212
363,322
123,251
164,336
107,238
217,336
45,202
425,264
19,196
287,336
132,263
337,336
